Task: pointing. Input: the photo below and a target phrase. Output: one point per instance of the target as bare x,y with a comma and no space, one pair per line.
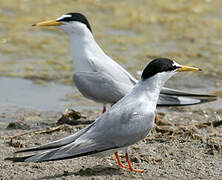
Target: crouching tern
124,124
100,78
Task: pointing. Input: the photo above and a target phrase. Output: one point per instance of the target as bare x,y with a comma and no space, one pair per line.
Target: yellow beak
187,68
48,23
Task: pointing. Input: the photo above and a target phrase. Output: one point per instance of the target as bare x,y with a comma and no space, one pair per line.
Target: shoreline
184,143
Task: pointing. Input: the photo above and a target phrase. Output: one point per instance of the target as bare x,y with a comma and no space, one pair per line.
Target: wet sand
185,143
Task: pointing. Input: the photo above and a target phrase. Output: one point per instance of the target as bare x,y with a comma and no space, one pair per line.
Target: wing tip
200,101
36,149
174,92
17,159
192,95
208,100
35,158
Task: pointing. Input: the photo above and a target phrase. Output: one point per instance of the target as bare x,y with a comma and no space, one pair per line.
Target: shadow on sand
95,171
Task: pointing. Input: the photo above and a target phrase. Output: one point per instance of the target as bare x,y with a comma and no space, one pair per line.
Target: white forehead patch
176,64
63,17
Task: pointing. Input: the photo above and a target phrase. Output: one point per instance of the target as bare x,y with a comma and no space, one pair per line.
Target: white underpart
83,46
89,57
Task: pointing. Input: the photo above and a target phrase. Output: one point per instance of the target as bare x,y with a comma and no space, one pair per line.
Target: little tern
124,124
100,78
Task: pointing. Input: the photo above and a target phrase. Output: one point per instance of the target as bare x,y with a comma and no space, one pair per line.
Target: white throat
83,46
149,89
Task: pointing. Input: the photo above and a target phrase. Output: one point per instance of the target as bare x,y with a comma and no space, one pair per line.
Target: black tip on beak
34,25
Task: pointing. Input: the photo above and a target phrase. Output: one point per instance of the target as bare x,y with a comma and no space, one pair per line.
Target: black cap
157,66
76,17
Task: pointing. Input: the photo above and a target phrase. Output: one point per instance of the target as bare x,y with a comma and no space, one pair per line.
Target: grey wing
101,87
173,97
110,131
170,100
115,129
175,92
168,97
70,147
60,142
73,150
122,127
113,69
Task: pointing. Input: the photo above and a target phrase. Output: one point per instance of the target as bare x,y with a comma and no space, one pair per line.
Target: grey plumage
112,90
127,122
100,78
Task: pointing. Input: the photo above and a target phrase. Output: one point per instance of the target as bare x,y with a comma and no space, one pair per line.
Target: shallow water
26,94
131,32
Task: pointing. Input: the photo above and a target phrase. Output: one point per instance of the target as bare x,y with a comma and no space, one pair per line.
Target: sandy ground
184,144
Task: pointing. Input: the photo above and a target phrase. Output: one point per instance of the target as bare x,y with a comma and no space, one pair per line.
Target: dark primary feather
172,97
63,146
58,143
24,158
17,159
169,91
165,101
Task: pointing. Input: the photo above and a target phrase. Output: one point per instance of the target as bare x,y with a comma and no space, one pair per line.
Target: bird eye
177,67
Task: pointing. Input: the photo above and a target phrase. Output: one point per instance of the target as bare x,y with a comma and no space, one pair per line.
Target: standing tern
100,78
124,124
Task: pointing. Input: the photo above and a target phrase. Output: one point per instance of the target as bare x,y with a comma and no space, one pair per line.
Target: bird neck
148,90
84,47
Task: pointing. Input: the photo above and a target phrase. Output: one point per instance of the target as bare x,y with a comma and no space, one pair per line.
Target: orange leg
119,162
130,165
104,109
112,104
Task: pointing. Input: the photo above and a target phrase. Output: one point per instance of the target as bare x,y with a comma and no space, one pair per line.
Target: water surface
131,32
